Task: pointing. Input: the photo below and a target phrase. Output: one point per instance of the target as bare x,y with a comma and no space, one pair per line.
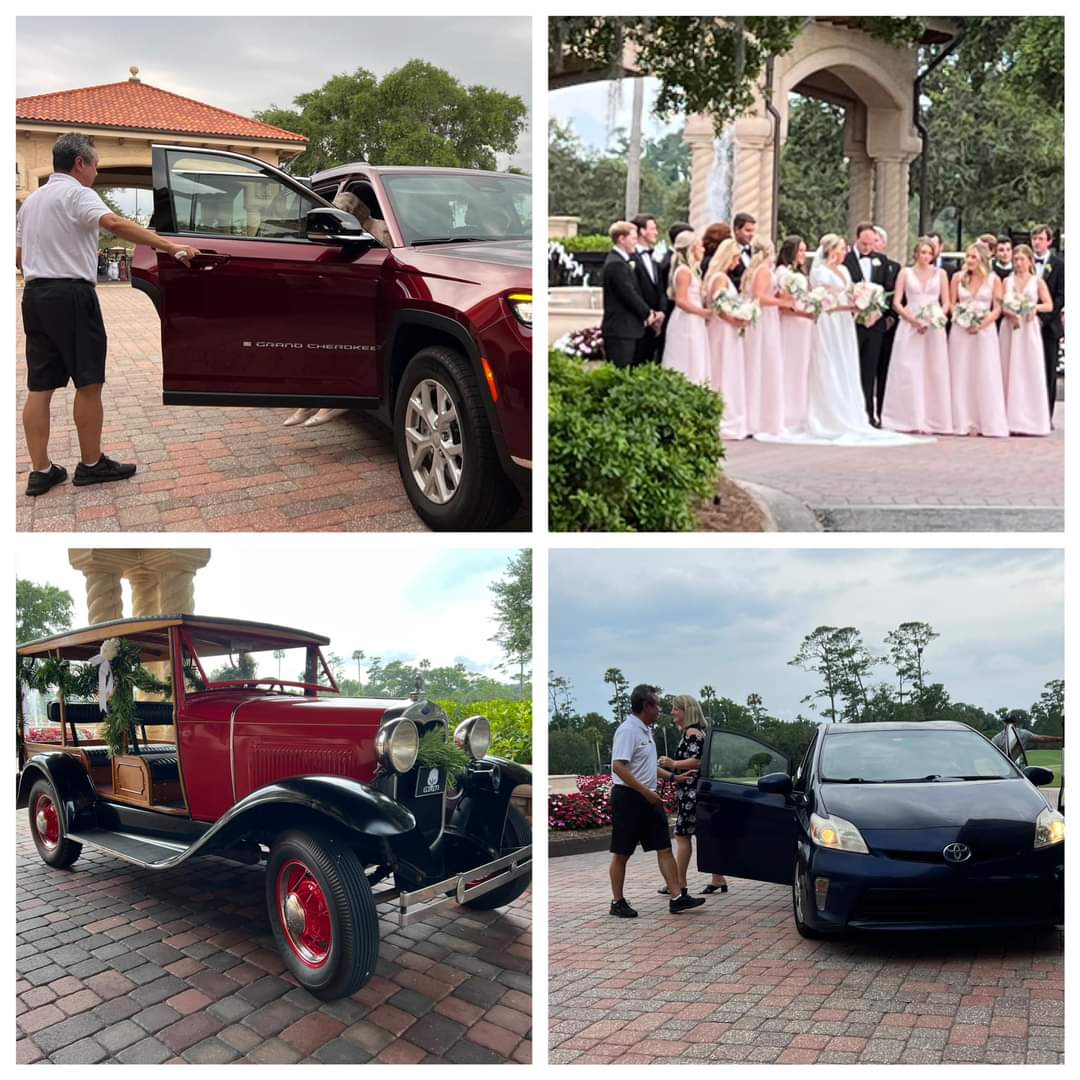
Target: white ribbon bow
106,684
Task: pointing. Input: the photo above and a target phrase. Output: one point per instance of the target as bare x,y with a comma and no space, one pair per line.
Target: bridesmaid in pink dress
796,336
728,362
918,395
764,358
978,396
687,343
1022,362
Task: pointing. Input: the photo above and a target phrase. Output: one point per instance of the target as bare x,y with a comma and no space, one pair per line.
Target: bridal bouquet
791,282
870,302
932,315
969,314
816,300
1020,306
738,307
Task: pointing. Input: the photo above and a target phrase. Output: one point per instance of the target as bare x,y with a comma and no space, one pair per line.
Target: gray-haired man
56,248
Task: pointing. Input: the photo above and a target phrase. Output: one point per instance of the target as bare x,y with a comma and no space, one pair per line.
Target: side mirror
775,783
1039,776
327,223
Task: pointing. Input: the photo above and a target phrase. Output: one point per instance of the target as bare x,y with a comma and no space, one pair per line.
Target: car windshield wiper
456,240
848,780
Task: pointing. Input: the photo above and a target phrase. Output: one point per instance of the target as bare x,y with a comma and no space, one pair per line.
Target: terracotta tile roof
133,104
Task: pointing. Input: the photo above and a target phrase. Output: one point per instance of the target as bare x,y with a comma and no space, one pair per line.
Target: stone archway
872,81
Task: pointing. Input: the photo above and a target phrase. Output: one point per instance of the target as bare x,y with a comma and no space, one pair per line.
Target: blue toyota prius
893,826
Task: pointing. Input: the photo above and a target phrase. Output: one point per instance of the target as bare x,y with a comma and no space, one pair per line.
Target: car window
217,195
739,759
1014,748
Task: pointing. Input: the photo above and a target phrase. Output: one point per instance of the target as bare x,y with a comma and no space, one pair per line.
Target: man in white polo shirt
56,247
637,811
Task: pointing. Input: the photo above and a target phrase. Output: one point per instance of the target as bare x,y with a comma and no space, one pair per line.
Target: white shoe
299,417
324,416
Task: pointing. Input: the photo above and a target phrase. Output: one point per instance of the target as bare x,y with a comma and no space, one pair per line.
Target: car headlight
521,306
1049,828
837,834
397,744
473,736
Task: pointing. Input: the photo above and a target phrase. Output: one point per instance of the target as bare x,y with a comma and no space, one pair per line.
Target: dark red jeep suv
421,313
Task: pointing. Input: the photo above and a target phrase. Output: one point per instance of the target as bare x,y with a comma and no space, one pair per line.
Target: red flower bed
590,806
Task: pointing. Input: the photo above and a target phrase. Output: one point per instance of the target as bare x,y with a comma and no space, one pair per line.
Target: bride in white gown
836,413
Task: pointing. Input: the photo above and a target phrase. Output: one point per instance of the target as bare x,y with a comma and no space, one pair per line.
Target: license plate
429,782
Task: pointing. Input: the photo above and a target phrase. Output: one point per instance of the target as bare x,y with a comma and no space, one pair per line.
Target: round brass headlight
397,744
473,736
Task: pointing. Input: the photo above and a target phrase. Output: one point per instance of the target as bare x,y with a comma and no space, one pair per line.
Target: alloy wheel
434,443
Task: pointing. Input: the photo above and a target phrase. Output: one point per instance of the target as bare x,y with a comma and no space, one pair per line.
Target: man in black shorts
637,811
56,247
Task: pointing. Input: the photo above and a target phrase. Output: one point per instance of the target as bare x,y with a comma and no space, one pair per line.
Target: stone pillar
860,191
699,136
103,568
144,592
751,191
891,201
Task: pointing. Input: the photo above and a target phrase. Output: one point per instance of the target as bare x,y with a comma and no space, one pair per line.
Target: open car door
740,829
266,315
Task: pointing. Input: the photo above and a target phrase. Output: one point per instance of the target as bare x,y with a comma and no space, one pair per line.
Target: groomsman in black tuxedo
1002,263
892,272
627,317
668,305
865,264
939,247
1051,268
743,228
650,286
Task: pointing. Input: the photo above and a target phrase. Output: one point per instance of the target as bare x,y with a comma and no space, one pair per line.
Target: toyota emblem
956,853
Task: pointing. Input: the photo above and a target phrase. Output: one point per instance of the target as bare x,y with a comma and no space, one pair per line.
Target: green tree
416,115
513,613
560,699
907,646
40,610
813,172
1048,713
820,653
244,666
620,694
856,665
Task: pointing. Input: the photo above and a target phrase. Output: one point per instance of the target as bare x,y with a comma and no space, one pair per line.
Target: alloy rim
304,914
433,441
47,823
797,885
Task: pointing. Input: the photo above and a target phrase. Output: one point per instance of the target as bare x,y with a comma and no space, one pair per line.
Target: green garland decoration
438,751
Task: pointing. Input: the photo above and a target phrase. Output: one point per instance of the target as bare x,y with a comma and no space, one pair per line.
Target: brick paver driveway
203,469
733,981
126,965
953,483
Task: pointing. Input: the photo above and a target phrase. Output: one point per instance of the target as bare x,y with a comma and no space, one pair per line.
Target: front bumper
410,907
874,892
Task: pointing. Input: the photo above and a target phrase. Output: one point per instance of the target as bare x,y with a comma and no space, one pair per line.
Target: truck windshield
265,662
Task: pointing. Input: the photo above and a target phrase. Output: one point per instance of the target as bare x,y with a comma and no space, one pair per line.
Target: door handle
209,260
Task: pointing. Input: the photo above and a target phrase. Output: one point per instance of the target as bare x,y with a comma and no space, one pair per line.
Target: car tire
516,834
322,912
483,498
47,829
798,898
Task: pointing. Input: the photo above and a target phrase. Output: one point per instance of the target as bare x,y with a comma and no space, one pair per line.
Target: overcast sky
595,113
732,619
404,603
248,63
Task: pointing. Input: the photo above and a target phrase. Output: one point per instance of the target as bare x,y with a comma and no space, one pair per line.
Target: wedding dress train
836,412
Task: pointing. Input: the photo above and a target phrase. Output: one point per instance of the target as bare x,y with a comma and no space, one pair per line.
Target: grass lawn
1048,759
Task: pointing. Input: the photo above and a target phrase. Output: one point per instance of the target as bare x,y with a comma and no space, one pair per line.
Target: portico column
860,191
751,191
891,201
699,137
178,592
104,599
144,592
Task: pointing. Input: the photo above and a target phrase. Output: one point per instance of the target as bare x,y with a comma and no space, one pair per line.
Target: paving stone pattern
973,474
118,964
734,982
204,469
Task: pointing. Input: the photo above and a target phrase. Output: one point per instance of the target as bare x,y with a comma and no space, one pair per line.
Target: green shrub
629,450
511,725
590,242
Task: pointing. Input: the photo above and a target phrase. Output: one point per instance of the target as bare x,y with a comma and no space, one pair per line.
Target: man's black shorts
65,333
635,820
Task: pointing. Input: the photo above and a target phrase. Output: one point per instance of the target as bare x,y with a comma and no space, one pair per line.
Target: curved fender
73,787
481,813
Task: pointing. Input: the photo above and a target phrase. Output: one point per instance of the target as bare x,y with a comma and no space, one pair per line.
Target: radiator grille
280,762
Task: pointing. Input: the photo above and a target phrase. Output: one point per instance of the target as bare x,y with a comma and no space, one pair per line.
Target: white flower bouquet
1019,306
738,307
816,300
791,282
869,300
969,314
932,315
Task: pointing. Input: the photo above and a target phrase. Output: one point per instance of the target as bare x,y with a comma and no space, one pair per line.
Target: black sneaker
103,472
684,903
622,909
37,483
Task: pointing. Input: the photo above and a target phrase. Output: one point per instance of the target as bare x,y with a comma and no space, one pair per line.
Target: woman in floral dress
683,769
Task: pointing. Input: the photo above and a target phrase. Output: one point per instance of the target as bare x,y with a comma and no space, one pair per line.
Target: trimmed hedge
511,725
630,449
586,242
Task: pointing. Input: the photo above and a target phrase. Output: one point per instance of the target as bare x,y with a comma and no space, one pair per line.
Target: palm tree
279,655
358,655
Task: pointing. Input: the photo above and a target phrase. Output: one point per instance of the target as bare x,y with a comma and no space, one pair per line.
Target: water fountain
721,180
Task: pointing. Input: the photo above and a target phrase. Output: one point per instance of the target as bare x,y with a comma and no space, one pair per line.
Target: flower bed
590,806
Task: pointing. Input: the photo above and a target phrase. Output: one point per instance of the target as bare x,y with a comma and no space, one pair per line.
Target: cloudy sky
244,64
732,619
408,602
596,110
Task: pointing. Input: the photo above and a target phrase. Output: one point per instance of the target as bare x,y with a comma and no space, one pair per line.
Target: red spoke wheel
47,829
322,912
